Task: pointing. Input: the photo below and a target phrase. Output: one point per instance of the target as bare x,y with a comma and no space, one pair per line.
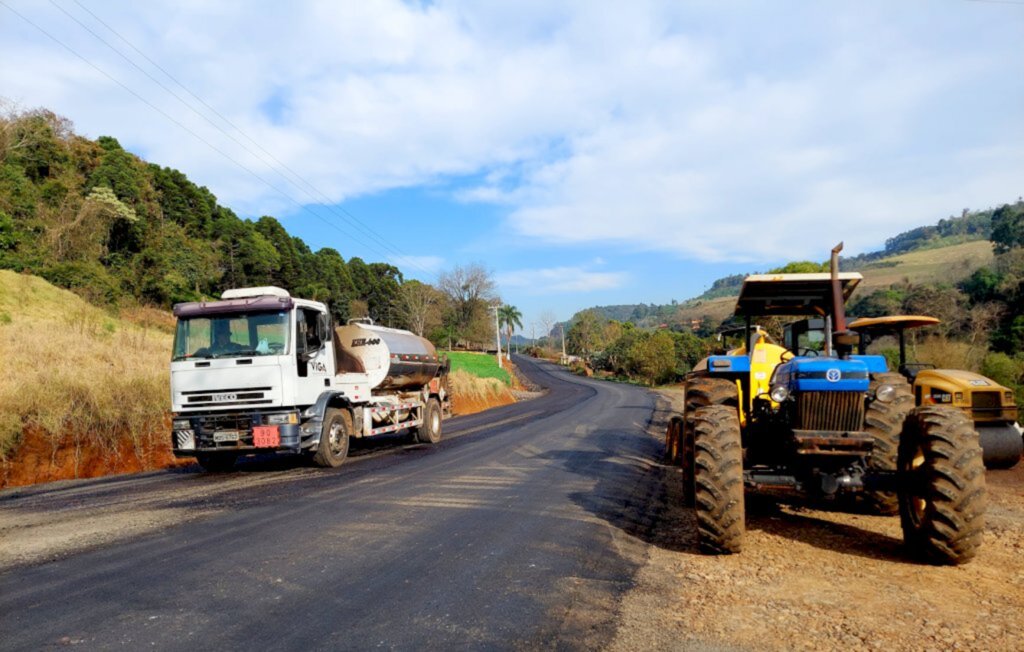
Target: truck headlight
779,393
279,419
181,424
885,393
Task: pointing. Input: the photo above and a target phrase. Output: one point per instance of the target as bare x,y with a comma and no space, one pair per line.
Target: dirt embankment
815,579
42,457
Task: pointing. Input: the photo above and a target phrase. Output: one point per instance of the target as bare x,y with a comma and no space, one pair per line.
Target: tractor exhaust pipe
838,311
842,338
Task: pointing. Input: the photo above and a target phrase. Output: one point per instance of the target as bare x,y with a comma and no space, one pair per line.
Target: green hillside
90,216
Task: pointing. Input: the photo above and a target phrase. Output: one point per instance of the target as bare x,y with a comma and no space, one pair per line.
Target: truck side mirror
323,327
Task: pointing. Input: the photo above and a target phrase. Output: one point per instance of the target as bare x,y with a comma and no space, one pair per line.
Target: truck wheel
884,422
333,447
942,497
718,478
700,392
217,462
430,431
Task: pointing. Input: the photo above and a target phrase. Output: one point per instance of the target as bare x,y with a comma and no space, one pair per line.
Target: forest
89,216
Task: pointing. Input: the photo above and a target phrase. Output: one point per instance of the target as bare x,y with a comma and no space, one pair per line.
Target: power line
171,119
340,211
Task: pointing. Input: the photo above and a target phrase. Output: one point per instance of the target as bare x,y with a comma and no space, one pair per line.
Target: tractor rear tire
334,438
686,462
672,435
884,422
700,392
942,497
718,479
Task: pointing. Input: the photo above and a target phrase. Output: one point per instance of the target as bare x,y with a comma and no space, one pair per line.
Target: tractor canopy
891,323
792,294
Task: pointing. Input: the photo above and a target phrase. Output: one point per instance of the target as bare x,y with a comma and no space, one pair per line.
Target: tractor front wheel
718,479
942,497
884,422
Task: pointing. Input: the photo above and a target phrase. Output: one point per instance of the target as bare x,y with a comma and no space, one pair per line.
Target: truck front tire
333,447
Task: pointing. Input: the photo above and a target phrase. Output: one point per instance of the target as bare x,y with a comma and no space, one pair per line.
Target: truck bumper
232,433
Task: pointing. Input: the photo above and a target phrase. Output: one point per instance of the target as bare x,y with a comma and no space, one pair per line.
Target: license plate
225,435
266,436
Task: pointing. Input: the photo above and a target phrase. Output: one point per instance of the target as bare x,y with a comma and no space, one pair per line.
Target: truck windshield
231,336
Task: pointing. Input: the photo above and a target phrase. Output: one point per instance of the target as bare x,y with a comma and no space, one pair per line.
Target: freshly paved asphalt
522,529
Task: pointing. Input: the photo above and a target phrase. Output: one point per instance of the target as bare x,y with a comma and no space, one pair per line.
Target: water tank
392,358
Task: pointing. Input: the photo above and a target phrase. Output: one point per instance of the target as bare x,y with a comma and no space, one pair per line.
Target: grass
76,375
480,365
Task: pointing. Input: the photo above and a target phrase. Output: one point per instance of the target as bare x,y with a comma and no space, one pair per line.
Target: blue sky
586,152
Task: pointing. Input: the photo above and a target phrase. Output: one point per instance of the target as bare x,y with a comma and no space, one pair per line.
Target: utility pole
561,327
497,334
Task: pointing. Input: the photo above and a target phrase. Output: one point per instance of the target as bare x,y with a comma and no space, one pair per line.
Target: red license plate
266,436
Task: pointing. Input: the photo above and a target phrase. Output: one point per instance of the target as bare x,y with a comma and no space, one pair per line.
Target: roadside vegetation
975,286
83,392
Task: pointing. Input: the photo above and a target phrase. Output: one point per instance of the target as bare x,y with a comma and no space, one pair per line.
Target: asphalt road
522,529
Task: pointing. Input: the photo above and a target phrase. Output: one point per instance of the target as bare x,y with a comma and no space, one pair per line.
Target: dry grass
467,386
76,375
943,265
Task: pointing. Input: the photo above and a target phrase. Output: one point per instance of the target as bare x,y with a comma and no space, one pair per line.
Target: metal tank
392,358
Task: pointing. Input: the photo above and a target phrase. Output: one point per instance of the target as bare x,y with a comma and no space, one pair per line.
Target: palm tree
510,318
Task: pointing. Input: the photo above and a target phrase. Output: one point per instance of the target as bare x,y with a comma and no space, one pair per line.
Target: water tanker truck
261,371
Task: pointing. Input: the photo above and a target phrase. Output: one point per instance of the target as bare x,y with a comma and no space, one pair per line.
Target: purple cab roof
228,306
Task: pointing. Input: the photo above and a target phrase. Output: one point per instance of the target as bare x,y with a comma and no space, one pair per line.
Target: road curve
519,530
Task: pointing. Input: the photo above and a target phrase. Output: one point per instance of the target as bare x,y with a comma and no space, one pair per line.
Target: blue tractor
812,417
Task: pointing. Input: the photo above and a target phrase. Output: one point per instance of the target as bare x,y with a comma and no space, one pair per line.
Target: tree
419,306
800,267
586,334
471,292
510,318
1008,227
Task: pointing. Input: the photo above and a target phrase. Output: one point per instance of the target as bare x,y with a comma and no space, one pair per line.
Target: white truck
261,371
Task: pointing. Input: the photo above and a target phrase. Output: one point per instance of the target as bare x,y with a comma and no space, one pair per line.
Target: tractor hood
823,375
955,380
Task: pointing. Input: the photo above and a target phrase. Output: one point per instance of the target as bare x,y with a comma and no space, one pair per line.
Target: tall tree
510,318
471,292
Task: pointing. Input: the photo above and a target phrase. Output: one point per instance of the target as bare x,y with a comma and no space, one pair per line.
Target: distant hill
948,251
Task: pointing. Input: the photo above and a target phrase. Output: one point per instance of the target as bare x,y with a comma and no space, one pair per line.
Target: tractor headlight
779,393
1008,397
181,424
885,393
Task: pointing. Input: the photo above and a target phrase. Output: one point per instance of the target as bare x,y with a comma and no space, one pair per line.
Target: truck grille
240,396
836,411
985,400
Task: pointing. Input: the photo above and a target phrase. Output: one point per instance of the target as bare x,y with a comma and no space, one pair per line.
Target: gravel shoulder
815,579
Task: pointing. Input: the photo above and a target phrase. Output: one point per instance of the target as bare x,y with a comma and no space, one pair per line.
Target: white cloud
553,280
752,131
